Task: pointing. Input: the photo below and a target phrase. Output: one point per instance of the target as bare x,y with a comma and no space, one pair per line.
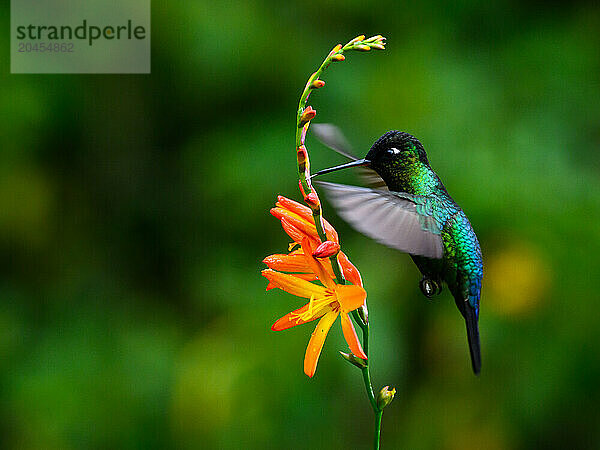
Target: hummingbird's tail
471,318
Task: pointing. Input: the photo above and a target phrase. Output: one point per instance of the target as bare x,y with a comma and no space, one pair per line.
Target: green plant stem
366,373
377,436
361,44
365,370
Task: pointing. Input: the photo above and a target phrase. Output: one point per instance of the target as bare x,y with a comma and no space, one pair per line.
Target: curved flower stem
377,429
304,115
365,370
367,379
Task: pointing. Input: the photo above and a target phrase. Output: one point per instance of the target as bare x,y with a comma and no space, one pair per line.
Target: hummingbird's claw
430,287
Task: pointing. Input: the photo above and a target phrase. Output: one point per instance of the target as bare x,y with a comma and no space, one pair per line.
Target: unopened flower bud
326,249
358,362
357,39
378,46
317,84
337,48
307,115
385,397
301,188
363,48
375,38
363,313
303,167
301,154
312,200
338,57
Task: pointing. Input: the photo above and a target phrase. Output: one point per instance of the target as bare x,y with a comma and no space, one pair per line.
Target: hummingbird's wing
331,136
396,219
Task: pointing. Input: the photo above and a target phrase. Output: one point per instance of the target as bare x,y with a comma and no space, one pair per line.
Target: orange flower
298,222
326,302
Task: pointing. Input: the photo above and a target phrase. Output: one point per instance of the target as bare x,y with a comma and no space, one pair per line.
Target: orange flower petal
350,297
305,213
305,227
316,266
291,319
296,234
294,285
350,272
351,337
292,216
295,262
291,231
315,345
305,276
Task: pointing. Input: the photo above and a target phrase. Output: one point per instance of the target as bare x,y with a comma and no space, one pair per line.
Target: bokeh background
134,215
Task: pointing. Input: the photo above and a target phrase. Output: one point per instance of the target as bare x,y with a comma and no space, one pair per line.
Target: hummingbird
408,208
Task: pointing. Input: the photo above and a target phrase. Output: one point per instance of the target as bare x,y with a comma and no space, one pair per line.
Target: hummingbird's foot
429,287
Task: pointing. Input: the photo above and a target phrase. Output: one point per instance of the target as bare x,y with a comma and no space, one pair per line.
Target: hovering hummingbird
409,209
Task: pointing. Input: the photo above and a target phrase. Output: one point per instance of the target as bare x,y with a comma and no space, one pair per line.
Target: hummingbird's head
396,150
392,154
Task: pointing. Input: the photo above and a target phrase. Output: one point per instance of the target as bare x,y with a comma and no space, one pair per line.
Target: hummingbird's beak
357,163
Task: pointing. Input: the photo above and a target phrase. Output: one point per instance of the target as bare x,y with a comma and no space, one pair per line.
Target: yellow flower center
315,306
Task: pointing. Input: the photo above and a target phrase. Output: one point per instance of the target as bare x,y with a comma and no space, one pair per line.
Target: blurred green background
134,218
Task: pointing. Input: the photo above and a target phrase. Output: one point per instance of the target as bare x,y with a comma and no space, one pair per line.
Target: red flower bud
307,115
317,84
312,200
302,154
338,57
326,249
301,188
